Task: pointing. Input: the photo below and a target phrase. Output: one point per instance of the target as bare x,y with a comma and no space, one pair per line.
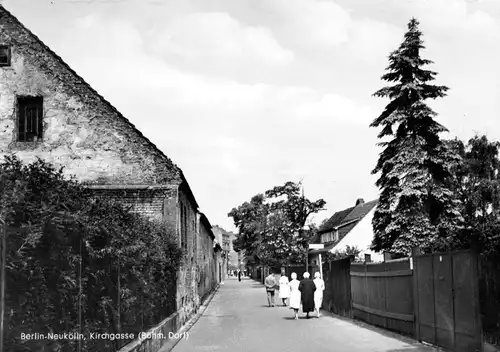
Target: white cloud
218,35
450,16
333,109
371,41
311,22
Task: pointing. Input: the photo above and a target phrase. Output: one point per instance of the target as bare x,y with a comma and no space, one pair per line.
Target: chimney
360,201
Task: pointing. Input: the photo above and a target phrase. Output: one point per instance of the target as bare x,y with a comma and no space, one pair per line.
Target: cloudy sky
247,94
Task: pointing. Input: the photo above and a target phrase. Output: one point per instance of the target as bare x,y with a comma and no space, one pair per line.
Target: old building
223,237
234,257
218,261
48,111
207,278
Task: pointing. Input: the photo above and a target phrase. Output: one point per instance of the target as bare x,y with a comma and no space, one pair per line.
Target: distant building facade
224,238
207,258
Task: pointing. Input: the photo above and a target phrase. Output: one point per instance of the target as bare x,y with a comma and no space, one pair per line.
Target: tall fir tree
416,208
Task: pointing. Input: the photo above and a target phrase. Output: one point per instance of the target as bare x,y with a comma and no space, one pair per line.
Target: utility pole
303,227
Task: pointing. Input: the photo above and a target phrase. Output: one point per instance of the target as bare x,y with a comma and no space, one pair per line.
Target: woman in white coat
284,288
318,294
295,295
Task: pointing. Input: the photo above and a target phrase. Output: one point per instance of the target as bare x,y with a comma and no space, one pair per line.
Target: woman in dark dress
307,288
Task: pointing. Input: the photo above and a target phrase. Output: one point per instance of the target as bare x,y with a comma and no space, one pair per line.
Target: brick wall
81,131
156,203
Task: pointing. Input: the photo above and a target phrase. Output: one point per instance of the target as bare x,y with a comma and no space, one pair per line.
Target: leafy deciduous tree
477,184
271,226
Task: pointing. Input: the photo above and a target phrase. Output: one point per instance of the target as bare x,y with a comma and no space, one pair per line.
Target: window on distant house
336,235
4,55
326,237
30,119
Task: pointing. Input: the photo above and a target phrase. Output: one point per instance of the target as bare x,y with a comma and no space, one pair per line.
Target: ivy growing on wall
77,264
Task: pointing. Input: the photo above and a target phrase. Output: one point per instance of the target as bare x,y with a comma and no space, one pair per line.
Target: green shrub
65,252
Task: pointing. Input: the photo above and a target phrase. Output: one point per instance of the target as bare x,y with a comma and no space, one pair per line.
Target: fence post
415,252
386,255
365,282
476,277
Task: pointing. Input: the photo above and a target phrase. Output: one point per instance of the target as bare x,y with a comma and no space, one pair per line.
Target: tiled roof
335,220
357,213
344,221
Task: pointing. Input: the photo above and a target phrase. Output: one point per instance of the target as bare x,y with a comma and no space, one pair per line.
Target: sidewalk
239,319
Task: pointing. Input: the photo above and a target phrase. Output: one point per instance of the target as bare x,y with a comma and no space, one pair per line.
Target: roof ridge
4,11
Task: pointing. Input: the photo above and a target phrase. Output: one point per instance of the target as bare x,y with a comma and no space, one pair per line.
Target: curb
169,346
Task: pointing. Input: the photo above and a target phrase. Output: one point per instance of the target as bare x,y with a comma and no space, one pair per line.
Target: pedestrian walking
270,284
318,294
307,288
284,288
294,295
239,275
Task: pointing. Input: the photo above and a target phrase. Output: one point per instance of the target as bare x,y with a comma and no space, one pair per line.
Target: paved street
238,319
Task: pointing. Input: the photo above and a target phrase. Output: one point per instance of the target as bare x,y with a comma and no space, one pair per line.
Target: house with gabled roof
47,110
349,227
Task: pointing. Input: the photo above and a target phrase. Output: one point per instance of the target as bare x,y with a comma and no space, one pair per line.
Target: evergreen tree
416,208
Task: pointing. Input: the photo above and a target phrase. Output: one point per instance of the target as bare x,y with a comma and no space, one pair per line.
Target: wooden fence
382,294
337,294
489,298
434,298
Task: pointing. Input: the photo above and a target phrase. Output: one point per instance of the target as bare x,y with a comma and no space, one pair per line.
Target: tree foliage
349,251
70,255
416,207
476,181
271,225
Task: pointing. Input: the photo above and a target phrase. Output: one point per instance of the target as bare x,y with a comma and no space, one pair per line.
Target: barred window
30,119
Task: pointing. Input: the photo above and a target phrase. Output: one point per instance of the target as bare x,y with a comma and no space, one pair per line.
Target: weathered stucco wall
80,129
187,292
204,261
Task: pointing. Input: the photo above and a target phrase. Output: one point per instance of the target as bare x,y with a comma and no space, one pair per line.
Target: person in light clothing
318,294
284,288
294,295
